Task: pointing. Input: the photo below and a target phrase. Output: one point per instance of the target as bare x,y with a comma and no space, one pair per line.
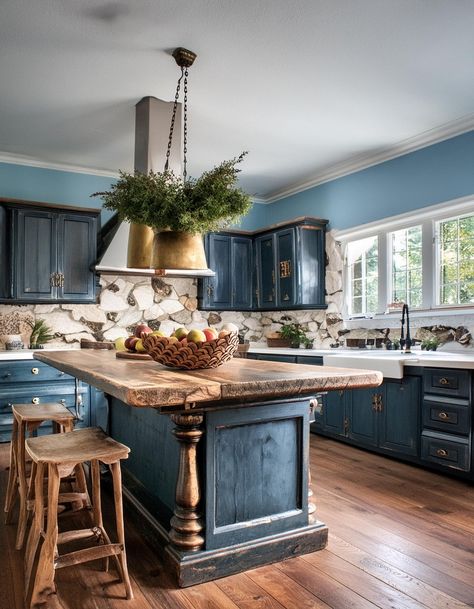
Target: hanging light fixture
179,209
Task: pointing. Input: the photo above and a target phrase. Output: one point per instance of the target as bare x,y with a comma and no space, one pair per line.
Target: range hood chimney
152,119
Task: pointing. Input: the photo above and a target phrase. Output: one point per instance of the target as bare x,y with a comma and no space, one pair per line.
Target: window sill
414,314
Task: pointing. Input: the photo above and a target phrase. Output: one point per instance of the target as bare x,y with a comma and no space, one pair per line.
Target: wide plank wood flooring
399,538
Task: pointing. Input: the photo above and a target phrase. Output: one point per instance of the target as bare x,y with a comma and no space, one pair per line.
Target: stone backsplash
166,304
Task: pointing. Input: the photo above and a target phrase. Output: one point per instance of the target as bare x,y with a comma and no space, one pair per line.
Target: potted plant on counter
179,210
295,334
41,333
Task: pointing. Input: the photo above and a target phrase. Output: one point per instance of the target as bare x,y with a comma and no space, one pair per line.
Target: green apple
120,343
180,333
158,333
196,336
139,347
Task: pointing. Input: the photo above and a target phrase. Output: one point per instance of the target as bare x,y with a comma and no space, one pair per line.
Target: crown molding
19,159
364,161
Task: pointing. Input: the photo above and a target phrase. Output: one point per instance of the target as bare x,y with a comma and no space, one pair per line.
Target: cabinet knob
63,402
443,415
443,381
441,452
35,371
35,400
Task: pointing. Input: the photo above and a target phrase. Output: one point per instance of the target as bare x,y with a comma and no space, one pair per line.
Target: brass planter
140,245
176,250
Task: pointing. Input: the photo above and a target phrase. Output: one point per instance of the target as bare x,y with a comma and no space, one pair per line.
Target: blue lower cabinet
362,421
32,382
399,424
333,415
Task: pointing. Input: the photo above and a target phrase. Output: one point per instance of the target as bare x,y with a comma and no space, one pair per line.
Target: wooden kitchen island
222,480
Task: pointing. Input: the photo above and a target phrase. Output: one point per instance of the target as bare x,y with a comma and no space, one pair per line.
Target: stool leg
37,526
12,475
22,487
117,479
81,485
97,510
44,577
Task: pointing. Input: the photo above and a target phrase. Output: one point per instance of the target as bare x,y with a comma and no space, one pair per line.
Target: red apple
211,333
130,343
142,329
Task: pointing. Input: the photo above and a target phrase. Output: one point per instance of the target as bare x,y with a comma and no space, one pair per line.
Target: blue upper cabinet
290,263
48,255
284,267
230,257
265,267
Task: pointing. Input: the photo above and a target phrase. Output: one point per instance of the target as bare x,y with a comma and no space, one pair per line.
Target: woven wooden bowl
191,356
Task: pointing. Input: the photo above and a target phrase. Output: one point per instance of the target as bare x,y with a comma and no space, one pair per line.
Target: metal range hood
152,119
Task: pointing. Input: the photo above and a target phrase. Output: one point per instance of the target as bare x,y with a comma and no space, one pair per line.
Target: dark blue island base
239,498
218,470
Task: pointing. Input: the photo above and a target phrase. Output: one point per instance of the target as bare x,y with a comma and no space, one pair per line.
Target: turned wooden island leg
186,524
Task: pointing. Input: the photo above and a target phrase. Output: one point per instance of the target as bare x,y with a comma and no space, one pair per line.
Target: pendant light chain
185,124
173,118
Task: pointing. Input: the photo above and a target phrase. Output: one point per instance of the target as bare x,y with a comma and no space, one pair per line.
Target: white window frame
427,217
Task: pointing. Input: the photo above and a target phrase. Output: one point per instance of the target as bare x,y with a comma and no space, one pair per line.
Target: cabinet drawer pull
441,452
35,371
35,400
443,415
443,381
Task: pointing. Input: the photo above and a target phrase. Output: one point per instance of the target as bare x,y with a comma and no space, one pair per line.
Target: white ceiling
304,86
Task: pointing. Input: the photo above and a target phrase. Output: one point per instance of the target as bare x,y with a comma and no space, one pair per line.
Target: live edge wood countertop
149,384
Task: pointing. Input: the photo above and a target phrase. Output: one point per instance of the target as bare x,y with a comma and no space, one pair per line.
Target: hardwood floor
399,538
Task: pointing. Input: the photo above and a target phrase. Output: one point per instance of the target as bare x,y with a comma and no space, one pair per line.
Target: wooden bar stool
59,454
26,419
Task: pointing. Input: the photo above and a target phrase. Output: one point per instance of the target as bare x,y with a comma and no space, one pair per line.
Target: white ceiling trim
18,159
364,161
357,163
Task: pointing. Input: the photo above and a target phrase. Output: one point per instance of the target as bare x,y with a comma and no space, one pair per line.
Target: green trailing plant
41,333
295,334
165,201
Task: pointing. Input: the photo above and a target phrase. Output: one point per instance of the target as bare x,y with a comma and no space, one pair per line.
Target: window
423,258
455,254
362,257
406,263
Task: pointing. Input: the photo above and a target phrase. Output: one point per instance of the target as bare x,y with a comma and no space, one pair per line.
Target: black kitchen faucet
405,343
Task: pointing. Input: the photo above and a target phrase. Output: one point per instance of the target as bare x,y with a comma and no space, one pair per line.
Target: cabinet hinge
346,425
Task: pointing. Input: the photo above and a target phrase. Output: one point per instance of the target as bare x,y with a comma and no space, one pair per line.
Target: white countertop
390,363
22,354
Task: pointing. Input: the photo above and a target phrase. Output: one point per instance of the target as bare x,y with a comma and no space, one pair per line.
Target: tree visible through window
456,260
363,262
406,250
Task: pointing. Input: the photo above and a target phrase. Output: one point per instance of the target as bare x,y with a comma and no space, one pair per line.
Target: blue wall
434,174
52,186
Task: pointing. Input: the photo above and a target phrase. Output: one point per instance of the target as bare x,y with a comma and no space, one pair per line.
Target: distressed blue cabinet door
77,235
363,417
399,417
311,255
241,273
334,412
35,248
219,259
265,254
286,268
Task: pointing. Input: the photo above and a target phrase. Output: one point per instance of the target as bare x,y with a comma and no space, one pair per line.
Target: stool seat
76,447
41,412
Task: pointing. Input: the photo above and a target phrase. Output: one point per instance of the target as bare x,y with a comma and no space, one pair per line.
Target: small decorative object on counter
41,333
12,342
275,339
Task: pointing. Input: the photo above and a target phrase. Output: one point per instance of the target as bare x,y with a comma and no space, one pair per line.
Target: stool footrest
80,556
68,536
